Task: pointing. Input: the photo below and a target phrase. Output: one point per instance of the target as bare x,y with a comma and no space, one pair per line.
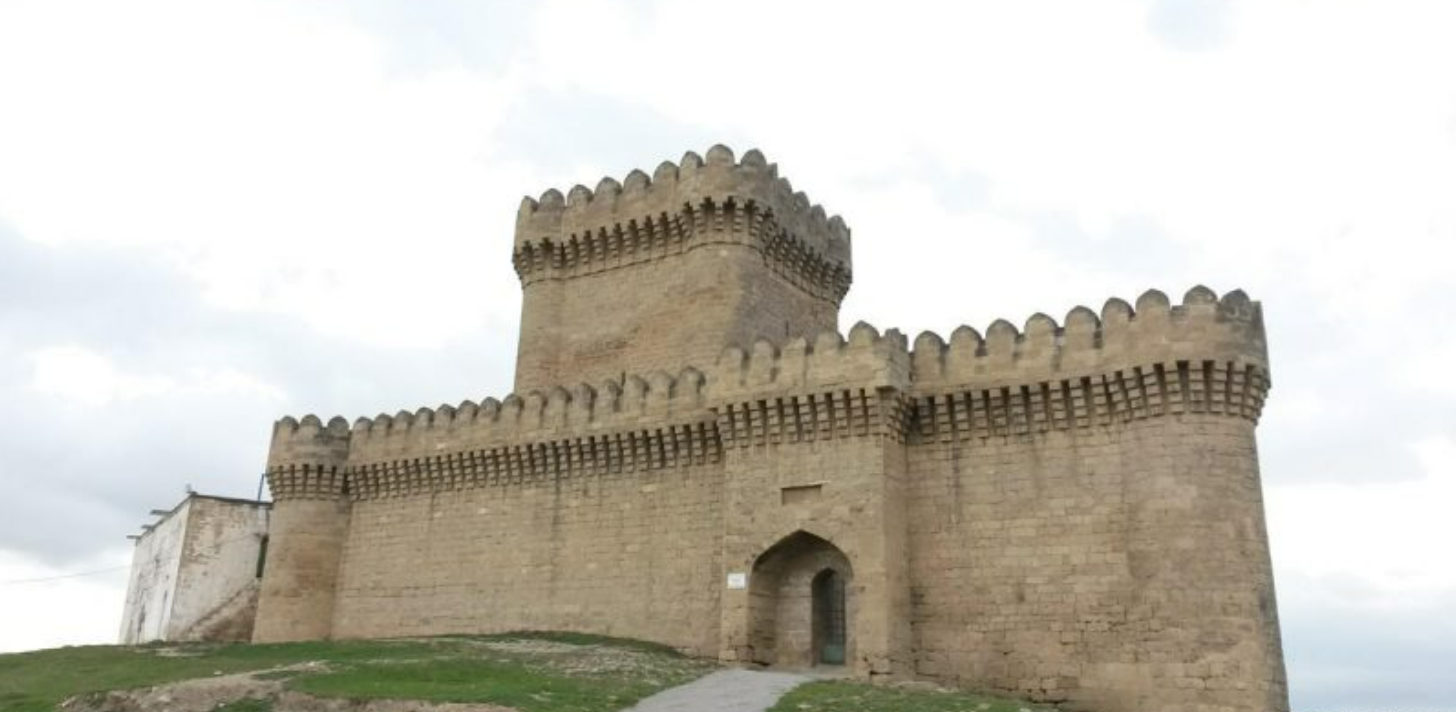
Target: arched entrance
800,605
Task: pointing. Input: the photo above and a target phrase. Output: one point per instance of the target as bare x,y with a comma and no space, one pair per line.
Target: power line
65,576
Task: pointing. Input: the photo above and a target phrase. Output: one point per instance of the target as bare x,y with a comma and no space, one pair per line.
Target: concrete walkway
724,691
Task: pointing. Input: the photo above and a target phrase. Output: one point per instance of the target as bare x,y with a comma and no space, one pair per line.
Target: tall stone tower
663,272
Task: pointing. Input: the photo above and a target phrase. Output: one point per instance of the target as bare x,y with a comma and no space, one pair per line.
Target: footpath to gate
724,691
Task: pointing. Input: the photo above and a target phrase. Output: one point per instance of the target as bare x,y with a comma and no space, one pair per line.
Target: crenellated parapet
640,423
306,458
825,388
1206,355
682,206
633,403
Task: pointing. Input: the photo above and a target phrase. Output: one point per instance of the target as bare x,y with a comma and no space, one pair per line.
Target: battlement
1204,355
1203,328
306,458
309,440
637,401
1207,355
683,205
866,359
826,388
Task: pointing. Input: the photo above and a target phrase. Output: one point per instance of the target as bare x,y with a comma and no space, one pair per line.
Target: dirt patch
578,659
296,702
172,652
537,647
266,687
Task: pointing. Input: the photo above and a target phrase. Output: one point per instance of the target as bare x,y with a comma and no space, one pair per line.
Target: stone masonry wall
194,572
1069,511
588,509
663,272
1116,568
217,581
309,522
814,448
156,563
1086,519
631,554
685,308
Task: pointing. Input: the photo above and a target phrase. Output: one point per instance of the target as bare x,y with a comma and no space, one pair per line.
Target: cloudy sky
213,214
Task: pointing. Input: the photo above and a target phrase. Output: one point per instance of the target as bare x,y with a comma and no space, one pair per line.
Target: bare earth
207,694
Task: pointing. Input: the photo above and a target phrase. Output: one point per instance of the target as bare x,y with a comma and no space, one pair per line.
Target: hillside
524,672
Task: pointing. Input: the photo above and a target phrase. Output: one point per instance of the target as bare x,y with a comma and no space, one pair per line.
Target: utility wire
65,576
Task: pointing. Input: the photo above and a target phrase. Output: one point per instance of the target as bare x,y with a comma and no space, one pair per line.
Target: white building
195,572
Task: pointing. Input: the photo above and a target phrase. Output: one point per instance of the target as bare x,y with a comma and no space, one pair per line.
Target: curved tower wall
1086,519
306,535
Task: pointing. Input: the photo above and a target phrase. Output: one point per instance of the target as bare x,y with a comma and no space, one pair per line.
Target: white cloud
1281,155
45,607
1375,544
84,377
273,154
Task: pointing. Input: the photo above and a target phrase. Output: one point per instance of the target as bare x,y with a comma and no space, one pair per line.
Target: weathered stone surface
194,573
1069,512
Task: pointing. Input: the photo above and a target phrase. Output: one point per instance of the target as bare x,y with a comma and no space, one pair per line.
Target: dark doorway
829,618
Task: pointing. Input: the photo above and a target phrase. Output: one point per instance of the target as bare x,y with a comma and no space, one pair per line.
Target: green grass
534,672
503,683
841,696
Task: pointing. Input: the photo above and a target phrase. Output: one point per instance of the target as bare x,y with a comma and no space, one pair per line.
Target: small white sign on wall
737,580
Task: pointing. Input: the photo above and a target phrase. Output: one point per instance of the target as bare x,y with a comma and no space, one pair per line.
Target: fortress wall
593,509
307,528
813,437
633,554
834,490
1119,568
1070,511
298,592
1085,514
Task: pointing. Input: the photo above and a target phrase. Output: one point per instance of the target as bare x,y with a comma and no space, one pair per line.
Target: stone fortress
696,456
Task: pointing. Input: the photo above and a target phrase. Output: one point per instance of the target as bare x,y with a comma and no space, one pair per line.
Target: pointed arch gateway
800,604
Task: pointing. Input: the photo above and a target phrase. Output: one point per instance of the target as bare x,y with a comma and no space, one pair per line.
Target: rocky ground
250,692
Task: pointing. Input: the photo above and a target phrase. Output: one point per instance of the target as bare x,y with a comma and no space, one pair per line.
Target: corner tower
662,272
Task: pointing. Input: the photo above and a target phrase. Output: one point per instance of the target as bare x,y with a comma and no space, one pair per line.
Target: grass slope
533,672
842,696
